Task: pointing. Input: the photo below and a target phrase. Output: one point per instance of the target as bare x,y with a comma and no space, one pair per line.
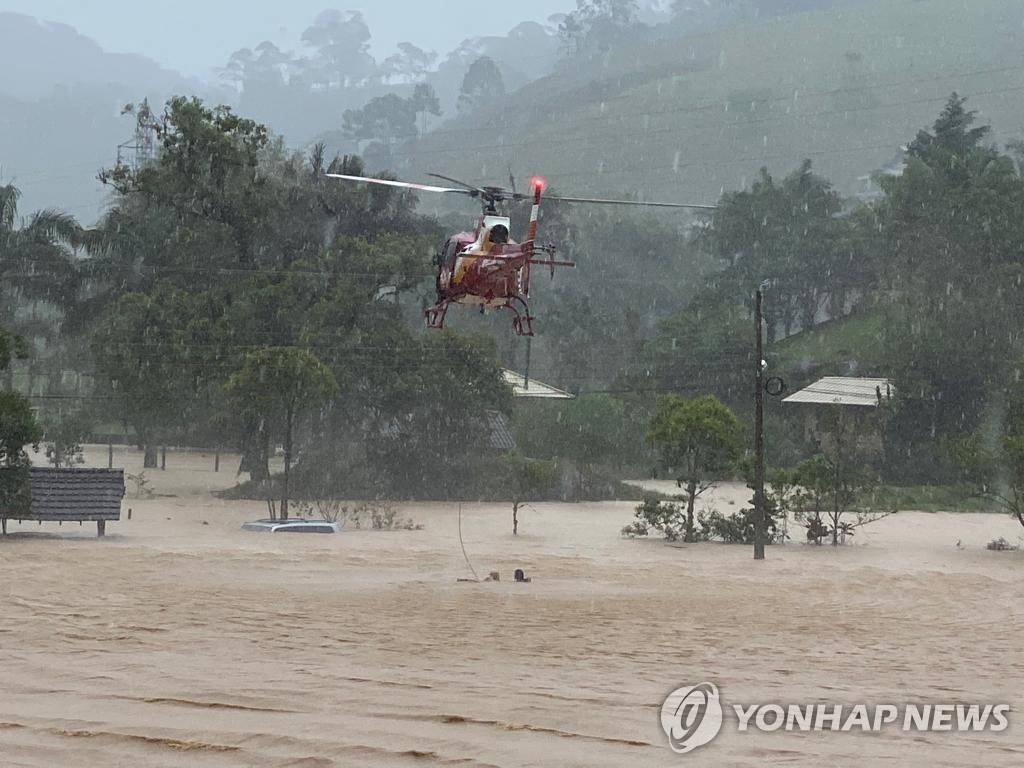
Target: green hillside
688,117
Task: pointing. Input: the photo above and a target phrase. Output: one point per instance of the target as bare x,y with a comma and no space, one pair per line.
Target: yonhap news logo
693,716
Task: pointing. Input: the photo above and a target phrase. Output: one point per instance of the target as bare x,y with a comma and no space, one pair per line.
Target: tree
438,398
18,425
64,434
385,122
227,242
590,430
596,25
696,438
36,267
11,348
529,480
951,228
425,101
842,479
787,233
276,386
342,45
141,347
410,63
996,462
483,85
18,429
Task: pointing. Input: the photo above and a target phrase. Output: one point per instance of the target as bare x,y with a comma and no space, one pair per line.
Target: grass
831,345
934,498
686,117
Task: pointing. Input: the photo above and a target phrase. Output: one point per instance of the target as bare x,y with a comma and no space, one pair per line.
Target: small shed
69,495
845,390
836,403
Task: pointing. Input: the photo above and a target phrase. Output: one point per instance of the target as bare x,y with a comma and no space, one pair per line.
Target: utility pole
760,518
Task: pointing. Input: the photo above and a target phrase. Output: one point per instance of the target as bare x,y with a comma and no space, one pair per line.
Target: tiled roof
72,495
501,436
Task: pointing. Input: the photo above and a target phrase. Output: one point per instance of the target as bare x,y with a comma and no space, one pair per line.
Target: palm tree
37,261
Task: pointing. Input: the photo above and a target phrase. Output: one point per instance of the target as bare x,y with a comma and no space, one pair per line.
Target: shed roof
844,390
533,388
72,495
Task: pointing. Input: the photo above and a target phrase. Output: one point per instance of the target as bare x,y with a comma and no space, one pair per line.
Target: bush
665,517
1001,545
669,519
737,528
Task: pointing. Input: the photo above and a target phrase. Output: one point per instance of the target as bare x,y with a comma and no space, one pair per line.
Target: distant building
869,190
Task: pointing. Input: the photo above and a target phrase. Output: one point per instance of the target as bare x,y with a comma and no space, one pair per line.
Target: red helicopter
484,267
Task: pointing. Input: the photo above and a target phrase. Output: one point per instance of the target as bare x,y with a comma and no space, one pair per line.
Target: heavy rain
640,382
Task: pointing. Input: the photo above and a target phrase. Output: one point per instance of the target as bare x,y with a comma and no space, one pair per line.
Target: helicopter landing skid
435,315
522,323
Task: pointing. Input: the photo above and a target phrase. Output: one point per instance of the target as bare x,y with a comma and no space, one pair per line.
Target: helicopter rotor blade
598,201
399,184
468,187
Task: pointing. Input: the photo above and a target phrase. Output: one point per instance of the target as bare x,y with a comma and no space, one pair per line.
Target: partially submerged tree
529,480
277,386
697,439
841,481
64,434
140,345
589,431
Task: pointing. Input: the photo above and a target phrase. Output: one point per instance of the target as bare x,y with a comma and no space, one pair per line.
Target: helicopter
484,267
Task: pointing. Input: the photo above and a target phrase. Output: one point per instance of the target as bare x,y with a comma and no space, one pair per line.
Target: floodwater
181,640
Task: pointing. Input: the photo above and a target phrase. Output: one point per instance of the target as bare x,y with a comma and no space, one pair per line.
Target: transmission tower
141,148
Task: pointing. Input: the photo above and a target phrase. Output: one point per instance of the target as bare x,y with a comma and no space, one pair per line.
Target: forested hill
46,55
60,100
678,116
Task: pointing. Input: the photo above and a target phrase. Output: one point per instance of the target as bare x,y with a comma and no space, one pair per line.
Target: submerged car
291,526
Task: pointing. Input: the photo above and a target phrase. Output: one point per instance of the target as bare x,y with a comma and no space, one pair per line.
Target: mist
194,37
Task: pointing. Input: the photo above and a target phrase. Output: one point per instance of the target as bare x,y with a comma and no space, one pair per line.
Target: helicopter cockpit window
499,234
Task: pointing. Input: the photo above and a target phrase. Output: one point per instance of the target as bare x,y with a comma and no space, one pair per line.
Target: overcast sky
194,36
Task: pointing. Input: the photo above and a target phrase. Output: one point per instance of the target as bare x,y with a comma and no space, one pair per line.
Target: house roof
501,436
72,495
533,388
843,390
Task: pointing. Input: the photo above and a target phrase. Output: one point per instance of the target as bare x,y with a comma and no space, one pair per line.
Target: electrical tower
141,148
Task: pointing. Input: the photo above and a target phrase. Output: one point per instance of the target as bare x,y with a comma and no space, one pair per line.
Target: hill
686,117
36,56
60,100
